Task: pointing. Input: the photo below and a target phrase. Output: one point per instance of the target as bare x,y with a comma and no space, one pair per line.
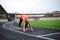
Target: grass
55,24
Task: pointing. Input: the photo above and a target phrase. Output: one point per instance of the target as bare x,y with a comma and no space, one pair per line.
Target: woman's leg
19,24
26,24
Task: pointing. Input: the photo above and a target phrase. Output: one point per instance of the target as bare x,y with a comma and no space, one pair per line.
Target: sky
30,6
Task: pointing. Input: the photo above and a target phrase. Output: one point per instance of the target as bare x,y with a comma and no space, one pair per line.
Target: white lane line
27,33
50,34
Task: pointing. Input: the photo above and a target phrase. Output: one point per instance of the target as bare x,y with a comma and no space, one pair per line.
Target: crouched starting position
25,21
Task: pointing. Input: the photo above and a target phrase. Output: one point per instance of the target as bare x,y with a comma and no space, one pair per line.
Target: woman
25,21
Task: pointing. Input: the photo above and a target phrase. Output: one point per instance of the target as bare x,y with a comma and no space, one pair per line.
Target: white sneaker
24,30
18,29
31,29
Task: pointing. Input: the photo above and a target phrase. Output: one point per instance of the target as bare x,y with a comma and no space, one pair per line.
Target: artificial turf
55,24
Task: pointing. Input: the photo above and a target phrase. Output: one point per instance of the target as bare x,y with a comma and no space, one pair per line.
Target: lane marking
50,34
27,33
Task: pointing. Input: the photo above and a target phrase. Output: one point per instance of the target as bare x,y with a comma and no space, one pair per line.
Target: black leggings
20,22
26,24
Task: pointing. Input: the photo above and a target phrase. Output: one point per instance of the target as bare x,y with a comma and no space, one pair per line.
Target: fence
31,17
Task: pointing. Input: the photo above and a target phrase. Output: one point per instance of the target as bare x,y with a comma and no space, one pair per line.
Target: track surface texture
8,31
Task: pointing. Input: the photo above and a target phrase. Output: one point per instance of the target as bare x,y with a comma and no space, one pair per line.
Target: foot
24,29
18,29
31,29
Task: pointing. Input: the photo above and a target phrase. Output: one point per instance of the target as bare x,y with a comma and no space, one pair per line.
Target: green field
54,24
